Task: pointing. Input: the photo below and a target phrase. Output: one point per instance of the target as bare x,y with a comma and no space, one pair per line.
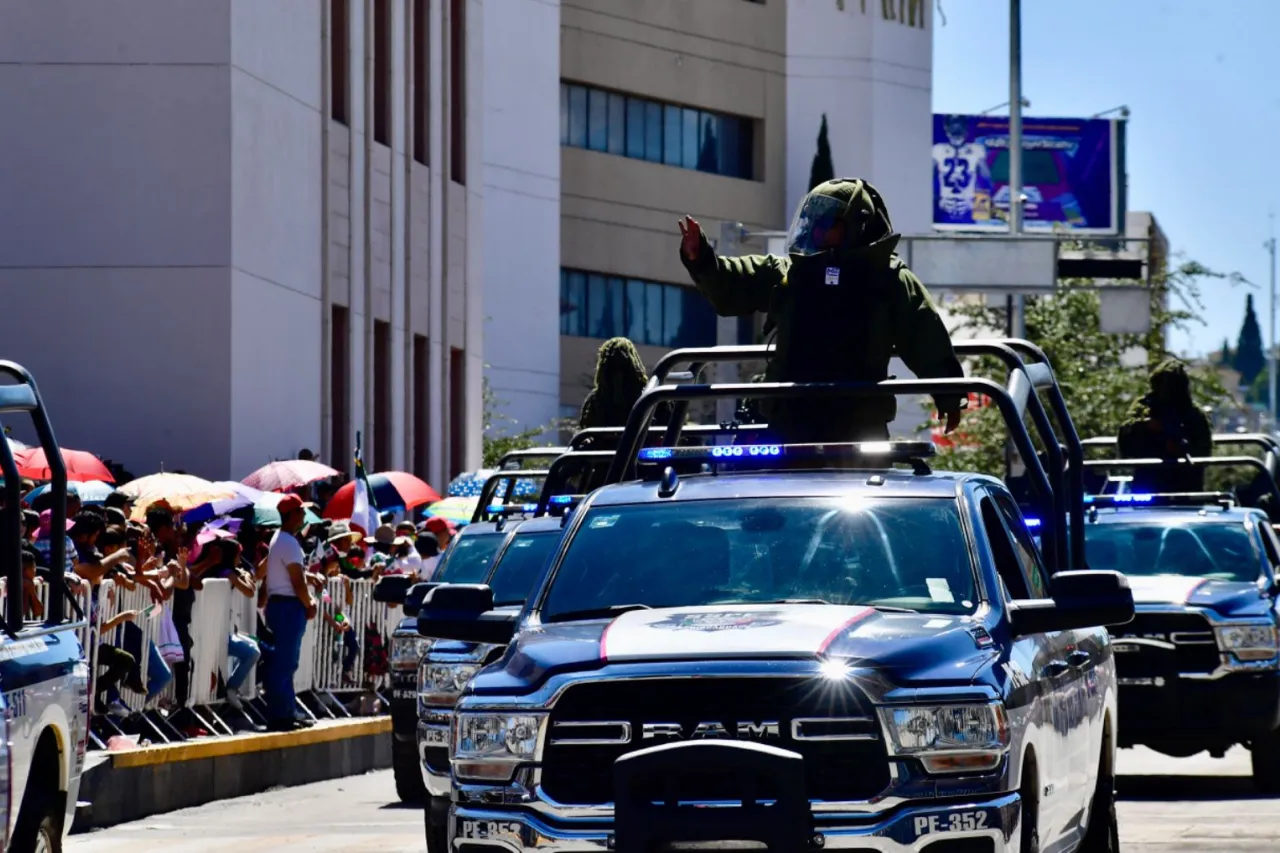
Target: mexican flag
364,509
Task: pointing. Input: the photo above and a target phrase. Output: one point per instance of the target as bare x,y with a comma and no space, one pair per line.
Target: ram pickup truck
803,646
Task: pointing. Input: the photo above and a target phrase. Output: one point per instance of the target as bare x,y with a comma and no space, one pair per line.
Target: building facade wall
186,212
618,213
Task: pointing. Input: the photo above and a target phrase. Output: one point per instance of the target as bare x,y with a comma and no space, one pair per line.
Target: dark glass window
573,303
689,138
635,128
577,117
642,129
617,124
602,306
635,310
597,119
653,132
671,150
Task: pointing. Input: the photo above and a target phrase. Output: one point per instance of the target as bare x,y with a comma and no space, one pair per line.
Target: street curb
135,784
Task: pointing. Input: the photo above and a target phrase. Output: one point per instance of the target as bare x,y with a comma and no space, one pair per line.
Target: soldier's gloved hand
690,238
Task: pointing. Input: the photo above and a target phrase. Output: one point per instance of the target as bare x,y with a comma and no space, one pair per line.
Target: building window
339,377
421,81
458,91
421,407
339,59
595,305
382,71
457,412
643,129
381,396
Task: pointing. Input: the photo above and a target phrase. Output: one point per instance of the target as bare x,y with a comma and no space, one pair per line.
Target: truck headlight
442,683
1248,642
487,747
948,738
407,650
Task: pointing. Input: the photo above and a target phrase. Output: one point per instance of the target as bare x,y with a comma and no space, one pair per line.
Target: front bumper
433,752
1230,709
972,826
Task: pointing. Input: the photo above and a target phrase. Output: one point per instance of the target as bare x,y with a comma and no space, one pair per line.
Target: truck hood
917,647
1229,598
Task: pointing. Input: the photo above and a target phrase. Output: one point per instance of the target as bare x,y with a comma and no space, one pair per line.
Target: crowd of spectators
286,568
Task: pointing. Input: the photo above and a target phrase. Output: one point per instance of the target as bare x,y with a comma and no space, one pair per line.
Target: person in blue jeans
242,650
289,606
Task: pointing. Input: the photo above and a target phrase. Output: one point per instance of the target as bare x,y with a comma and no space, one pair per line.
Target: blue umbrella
90,492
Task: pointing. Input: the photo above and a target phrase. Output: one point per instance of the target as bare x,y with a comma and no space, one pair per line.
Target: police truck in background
44,676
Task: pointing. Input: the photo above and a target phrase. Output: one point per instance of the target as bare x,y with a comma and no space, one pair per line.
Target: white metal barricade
210,634
244,621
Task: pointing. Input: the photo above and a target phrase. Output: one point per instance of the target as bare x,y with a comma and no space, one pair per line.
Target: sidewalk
137,783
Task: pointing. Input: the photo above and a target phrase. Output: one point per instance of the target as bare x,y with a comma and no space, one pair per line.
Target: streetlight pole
1271,350
1014,305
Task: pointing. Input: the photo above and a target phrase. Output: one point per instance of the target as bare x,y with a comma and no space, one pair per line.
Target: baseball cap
46,522
436,524
288,504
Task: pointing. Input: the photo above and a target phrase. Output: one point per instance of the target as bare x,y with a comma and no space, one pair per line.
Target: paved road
1196,805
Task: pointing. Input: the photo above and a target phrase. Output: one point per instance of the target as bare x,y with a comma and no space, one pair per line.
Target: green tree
1092,367
823,169
1250,356
500,435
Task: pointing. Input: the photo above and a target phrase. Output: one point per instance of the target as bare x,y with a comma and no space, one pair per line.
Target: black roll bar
1268,444
1012,401
563,467
529,453
1015,353
657,432
25,397
1193,461
490,488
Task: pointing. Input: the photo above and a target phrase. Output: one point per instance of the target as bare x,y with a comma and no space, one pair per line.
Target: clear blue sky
1202,82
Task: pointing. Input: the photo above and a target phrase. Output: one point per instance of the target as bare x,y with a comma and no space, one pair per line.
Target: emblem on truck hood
719,620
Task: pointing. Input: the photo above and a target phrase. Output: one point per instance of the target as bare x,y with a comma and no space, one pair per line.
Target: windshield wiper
885,608
795,601
597,612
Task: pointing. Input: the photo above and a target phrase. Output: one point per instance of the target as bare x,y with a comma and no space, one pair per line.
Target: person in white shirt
289,606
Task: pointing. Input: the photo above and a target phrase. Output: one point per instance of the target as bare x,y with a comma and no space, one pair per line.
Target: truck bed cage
24,397
655,436
1198,462
1269,445
1058,483
490,488
594,462
519,456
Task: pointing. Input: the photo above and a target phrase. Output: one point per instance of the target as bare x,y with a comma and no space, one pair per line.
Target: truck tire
437,825
408,772
1102,834
1029,829
1265,754
39,828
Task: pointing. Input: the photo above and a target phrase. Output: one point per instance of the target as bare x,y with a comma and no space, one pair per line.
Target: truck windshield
898,552
1198,549
469,558
519,566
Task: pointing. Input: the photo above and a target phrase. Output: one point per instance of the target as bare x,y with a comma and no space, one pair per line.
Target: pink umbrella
288,474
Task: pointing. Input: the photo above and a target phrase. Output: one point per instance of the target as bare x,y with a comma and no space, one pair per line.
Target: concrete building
235,229
667,107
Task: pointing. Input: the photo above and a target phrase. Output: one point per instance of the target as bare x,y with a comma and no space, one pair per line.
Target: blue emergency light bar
890,450
1033,522
506,509
1156,500
564,500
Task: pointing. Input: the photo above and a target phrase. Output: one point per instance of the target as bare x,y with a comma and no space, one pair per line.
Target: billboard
1072,174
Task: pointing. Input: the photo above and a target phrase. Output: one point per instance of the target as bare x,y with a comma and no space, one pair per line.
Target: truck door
1024,578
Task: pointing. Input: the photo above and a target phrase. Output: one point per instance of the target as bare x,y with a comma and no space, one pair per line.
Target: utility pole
1014,304
1271,350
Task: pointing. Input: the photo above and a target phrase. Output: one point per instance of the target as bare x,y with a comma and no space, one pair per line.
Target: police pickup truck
1199,666
466,561
802,646
44,678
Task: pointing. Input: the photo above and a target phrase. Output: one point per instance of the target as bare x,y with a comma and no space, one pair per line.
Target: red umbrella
288,474
390,489
82,466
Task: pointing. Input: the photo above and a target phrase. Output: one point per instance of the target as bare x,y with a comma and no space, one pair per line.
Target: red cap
436,524
288,504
